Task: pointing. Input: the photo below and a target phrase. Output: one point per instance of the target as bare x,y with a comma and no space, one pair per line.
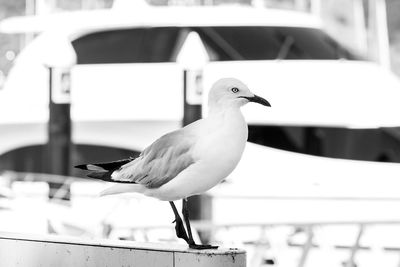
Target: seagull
188,161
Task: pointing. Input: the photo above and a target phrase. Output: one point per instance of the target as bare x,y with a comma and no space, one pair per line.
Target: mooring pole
59,63
192,85
194,57
199,206
59,125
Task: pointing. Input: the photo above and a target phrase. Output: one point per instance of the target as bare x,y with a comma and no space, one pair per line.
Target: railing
49,251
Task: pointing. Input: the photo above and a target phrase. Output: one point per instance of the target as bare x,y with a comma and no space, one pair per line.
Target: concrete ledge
48,251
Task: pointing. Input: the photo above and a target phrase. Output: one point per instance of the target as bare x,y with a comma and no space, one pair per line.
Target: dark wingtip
82,167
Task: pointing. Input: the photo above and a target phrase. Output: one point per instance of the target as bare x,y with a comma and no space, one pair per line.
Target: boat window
139,45
268,43
160,44
379,144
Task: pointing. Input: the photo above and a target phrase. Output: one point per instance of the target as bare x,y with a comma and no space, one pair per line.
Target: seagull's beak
258,99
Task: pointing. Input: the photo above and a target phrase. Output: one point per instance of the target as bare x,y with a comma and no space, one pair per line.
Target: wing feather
160,162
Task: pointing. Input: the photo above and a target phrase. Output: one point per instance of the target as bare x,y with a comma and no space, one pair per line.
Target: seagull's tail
123,188
103,171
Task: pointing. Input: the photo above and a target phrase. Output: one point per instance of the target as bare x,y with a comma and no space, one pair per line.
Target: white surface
62,57
275,186
268,172
127,92
331,93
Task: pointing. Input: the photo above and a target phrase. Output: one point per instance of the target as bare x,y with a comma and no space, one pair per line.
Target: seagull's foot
200,247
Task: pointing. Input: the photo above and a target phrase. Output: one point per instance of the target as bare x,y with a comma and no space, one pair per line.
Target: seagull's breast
219,150
225,144
226,132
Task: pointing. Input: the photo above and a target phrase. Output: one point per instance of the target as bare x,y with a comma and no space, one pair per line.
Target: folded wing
160,162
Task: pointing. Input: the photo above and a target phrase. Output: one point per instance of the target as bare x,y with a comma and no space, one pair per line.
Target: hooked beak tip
259,100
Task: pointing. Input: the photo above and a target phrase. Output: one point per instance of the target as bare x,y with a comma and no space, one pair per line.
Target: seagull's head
232,92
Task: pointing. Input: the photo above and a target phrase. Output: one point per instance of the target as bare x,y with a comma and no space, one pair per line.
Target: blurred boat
127,89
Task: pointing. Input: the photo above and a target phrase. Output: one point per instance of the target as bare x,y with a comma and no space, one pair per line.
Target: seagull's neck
228,123
226,116
215,110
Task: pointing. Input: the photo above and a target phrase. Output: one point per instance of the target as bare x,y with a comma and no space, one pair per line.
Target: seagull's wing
160,162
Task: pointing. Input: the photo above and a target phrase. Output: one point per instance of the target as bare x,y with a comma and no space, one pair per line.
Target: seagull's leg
179,228
192,244
185,213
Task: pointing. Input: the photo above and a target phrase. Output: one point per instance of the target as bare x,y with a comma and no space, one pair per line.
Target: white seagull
188,161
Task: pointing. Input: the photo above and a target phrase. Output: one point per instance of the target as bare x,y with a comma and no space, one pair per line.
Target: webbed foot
200,247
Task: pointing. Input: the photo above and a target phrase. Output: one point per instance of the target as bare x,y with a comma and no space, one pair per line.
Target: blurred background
99,80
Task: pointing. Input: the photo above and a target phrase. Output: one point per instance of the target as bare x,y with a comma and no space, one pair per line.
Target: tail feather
104,170
109,166
118,189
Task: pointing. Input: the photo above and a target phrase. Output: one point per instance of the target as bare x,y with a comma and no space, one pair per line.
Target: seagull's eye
235,90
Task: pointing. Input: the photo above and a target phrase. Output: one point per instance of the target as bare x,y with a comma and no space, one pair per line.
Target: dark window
161,44
127,46
263,43
382,144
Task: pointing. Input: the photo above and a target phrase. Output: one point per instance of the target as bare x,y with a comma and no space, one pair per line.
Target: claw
199,247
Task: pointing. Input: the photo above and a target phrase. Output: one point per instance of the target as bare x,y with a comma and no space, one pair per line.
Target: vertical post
316,7
307,246
382,33
301,5
193,57
199,206
360,26
30,9
378,38
59,63
59,126
351,261
192,82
